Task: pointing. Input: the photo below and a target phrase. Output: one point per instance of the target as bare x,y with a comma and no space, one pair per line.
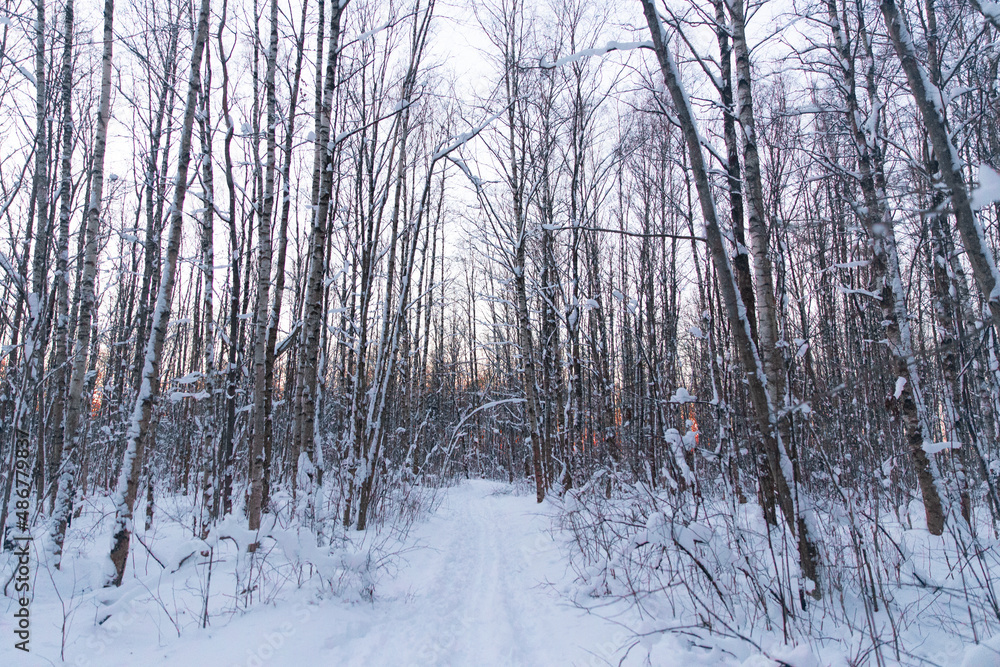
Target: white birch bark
781,467
878,222
138,432
313,306
929,101
66,430
263,288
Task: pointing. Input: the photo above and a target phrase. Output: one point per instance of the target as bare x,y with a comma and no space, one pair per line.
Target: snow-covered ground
482,581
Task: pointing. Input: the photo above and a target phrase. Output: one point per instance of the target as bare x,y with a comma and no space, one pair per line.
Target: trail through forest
481,581
481,591
478,586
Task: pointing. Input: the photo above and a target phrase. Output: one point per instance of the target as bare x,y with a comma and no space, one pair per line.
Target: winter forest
500,332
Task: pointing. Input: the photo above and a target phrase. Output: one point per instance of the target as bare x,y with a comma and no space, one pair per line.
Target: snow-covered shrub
716,571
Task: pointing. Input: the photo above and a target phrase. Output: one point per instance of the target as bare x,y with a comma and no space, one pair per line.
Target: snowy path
479,594
478,589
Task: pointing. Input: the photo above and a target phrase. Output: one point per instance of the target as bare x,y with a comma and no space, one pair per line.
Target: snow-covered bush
718,574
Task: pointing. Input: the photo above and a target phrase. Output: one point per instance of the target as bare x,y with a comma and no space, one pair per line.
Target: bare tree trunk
878,223
528,374
767,311
210,470
279,271
741,258
781,466
393,318
128,481
260,406
35,338
950,301
61,347
319,98
551,381
225,503
929,101
767,338
154,187
65,430
41,186
315,288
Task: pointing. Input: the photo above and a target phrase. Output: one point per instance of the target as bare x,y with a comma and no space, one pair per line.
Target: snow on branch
465,137
595,51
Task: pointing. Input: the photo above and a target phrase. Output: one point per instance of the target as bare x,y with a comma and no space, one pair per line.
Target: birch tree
314,296
780,465
264,285
65,473
879,224
930,103
128,481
